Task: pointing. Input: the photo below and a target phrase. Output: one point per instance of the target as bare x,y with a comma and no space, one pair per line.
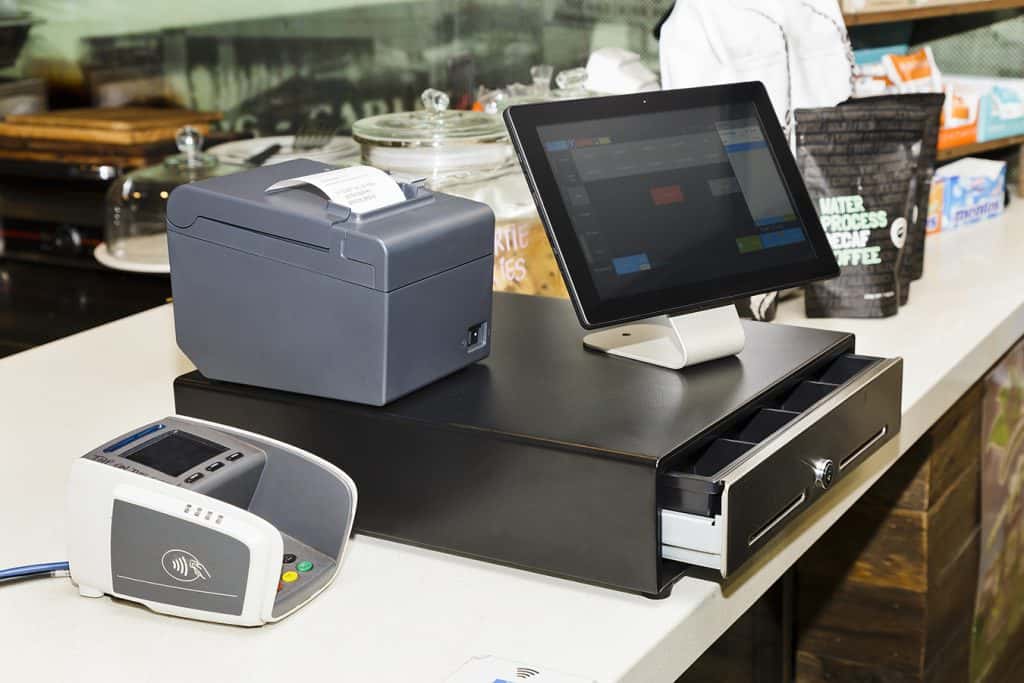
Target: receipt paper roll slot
208,522
288,290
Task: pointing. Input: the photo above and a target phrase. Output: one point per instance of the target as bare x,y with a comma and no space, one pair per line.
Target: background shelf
928,12
979,147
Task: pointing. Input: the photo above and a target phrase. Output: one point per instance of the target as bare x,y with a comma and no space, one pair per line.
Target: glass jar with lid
135,231
468,153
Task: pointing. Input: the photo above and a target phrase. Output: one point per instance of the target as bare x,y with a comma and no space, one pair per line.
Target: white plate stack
340,150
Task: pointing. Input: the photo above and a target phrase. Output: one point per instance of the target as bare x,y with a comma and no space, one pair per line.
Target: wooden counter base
889,593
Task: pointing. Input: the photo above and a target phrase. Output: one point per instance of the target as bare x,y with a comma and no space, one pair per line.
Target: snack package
869,74
936,199
912,264
959,115
870,80
860,164
914,72
966,192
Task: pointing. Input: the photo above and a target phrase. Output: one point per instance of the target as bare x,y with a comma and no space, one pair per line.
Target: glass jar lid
433,126
135,231
189,165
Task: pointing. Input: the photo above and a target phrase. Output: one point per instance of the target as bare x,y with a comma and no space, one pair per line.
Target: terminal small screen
175,453
661,200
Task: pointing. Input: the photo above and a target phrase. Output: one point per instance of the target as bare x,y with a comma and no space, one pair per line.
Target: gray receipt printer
288,290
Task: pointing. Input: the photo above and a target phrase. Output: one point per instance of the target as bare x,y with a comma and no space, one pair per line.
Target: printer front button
304,566
288,558
289,576
235,456
214,466
193,478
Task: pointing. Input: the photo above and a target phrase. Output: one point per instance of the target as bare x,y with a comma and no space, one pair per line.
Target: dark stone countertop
40,303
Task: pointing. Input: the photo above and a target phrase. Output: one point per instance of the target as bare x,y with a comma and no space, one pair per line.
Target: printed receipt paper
360,188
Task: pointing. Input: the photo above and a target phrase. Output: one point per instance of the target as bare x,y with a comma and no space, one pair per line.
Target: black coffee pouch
912,264
860,164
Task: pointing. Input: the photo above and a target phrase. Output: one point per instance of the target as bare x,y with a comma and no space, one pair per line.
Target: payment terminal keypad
302,568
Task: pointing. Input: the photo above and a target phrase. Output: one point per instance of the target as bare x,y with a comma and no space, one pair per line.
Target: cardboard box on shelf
966,192
1001,105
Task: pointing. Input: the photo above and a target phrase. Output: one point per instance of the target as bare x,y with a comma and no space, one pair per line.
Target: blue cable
33,570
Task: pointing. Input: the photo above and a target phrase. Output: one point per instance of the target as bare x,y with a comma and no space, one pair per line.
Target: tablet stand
674,342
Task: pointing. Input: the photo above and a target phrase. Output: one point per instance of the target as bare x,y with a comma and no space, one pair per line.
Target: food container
14,29
135,231
468,153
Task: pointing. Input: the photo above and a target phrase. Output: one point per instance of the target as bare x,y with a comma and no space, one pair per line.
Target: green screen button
304,566
749,243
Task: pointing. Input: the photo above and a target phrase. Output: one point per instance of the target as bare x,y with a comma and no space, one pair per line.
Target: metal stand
674,342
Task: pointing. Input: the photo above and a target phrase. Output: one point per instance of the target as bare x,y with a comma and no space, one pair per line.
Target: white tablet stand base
674,342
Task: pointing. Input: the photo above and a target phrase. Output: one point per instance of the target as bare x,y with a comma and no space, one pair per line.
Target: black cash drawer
555,459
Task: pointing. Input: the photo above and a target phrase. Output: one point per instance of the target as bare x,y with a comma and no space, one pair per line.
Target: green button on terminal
304,566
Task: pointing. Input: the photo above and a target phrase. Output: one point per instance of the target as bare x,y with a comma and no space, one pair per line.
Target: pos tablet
661,204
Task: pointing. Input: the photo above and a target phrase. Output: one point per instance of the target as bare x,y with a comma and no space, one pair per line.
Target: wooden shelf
979,147
928,12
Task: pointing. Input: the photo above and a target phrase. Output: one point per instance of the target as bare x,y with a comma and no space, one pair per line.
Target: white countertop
399,613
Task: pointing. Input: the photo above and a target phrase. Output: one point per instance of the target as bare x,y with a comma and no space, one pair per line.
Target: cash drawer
724,501
554,459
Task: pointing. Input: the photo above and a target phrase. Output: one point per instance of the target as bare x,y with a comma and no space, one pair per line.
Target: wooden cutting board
116,126
115,118
122,161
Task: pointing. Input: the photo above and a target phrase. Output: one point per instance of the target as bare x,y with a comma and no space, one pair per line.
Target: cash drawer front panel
880,436
693,485
847,425
760,475
790,508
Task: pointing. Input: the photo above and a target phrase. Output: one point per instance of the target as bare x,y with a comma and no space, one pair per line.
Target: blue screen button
781,238
631,264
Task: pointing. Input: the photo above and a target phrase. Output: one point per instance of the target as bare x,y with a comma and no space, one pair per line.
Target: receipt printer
289,290
201,520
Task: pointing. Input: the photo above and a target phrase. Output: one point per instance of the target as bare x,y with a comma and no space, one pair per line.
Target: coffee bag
860,164
912,264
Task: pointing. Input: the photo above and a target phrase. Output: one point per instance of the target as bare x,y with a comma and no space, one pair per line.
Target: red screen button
669,194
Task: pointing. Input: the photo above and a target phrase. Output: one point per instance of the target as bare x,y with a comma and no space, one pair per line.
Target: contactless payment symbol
181,565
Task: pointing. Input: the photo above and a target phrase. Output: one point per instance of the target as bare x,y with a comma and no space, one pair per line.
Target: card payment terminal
205,521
